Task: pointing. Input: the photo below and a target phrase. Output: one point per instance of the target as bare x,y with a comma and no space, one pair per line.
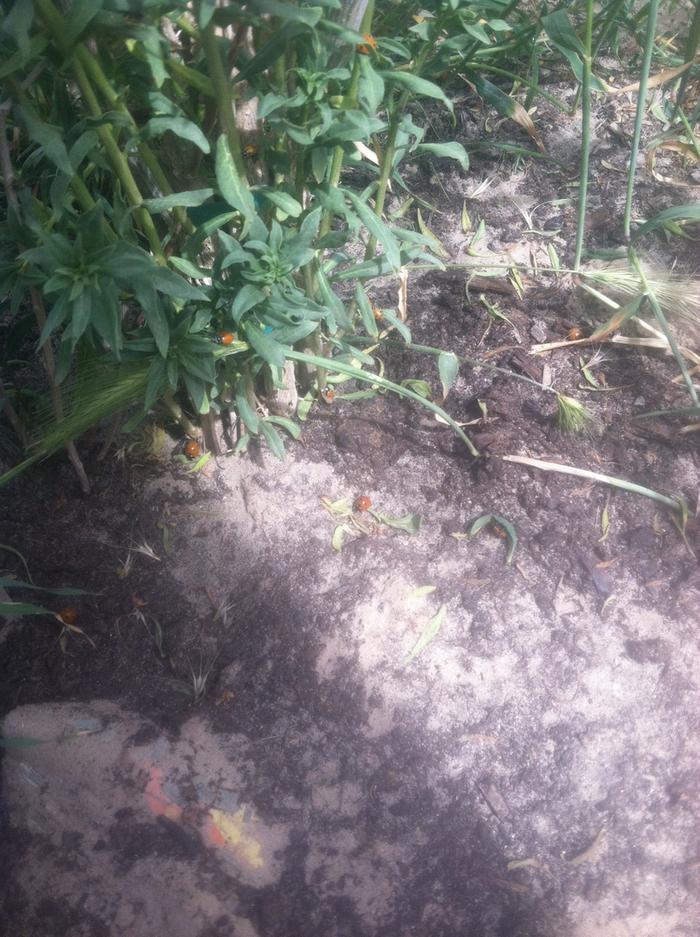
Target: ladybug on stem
363,503
225,338
369,45
328,394
192,449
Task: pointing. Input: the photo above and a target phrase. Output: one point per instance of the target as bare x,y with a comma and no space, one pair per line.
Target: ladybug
328,394
575,334
192,449
378,314
369,45
363,503
225,338
250,150
68,616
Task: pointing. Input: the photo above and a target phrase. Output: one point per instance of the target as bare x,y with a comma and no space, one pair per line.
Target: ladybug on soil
68,616
328,394
363,503
575,334
225,338
192,449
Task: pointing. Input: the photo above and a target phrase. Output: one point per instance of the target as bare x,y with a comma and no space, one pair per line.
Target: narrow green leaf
401,327
245,410
189,199
48,137
283,421
429,633
377,228
246,298
409,523
273,438
282,200
363,304
688,212
232,186
446,151
268,349
418,86
448,368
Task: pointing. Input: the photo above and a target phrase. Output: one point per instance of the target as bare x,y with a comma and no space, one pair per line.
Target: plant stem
652,11
663,322
224,97
390,149
585,134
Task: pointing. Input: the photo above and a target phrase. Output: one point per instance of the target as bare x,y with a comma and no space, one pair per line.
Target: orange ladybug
250,150
573,335
192,449
369,45
363,503
378,314
328,394
225,338
68,616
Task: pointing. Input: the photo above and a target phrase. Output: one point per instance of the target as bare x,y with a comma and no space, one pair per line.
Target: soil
532,770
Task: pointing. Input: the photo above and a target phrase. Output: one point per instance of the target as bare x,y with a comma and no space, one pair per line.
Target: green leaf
246,298
273,438
397,323
430,631
422,388
688,212
270,52
447,151
200,366
6,582
363,304
181,127
232,185
434,241
281,200
268,349
409,523
19,609
156,384
418,86
448,368
283,421
197,391
377,228
155,317
190,199
79,15
290,12
188,268
49,138
558,27
20,58
501,522
370,91
246,413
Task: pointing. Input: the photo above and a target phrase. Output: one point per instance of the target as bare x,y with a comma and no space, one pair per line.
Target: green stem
96,74
663,322
349,101
652,11
119,162
224,97
585,134
390,150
